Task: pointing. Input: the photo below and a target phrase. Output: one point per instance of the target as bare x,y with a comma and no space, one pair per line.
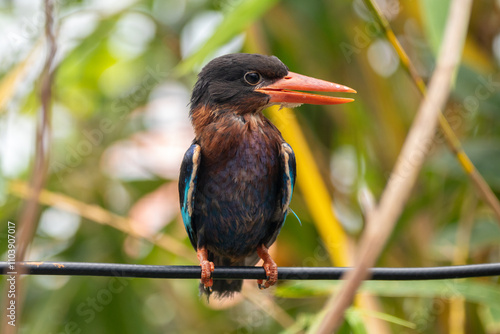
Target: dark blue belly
237,198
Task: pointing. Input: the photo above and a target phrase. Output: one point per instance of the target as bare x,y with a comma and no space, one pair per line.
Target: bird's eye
252,78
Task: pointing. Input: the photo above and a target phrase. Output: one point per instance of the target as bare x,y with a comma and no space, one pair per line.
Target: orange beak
282,90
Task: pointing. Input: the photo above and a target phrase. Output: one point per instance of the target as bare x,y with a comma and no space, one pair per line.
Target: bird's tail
222,288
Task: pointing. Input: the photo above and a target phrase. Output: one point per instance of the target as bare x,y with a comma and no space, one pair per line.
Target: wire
284,273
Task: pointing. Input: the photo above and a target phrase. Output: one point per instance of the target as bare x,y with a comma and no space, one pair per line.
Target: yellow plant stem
457,314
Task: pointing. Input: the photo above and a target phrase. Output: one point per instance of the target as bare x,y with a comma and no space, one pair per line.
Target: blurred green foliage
120,127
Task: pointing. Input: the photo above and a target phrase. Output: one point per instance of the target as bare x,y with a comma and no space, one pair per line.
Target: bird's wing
187,189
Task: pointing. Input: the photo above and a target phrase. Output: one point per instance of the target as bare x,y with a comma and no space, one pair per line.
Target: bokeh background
124,72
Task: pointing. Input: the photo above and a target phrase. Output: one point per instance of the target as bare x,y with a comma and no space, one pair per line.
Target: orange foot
207,268
269,266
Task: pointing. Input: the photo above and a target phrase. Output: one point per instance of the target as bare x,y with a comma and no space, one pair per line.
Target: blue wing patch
187,188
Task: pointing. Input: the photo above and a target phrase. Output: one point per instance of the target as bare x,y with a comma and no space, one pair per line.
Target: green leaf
490,317
355,320
314,328
475,292
305,289
434,15
303,321
234,23
388,318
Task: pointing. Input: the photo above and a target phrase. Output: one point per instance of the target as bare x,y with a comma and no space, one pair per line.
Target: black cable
284,273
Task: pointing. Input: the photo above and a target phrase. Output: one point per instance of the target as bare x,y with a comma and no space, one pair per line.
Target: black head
230,82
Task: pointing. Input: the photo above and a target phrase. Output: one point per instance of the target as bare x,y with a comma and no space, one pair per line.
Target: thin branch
452,140
383,219
28,221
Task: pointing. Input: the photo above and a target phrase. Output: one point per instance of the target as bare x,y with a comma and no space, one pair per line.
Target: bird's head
247,83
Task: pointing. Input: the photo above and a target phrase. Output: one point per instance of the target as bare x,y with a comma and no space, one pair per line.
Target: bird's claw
269,266
271,275
207,268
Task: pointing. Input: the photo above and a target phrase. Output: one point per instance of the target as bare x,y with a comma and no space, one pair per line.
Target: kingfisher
237,178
